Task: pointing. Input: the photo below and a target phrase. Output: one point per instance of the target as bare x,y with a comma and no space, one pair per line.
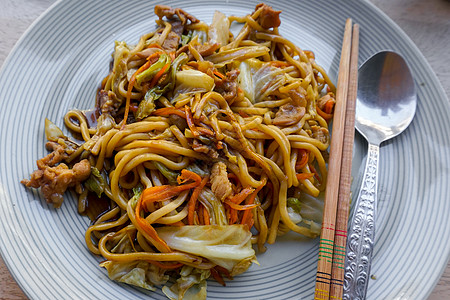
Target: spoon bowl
386,101
386,105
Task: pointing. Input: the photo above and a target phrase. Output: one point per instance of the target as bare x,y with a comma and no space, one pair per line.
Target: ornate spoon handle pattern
361,234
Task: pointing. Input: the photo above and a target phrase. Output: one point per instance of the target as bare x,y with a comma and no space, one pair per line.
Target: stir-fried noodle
203,144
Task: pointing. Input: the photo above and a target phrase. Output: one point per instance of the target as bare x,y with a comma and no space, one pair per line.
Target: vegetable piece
294,203
137,273
247,68
304,176
147,106
226,246
247,217
193,200
130,89
329,106
215,208
160,73
258,79
323,114
179,61
240,207
304,157
188,81
238,198
190,286
186,38
153,69
167,111
120,69
190,121
95,183
306,211
104,123
164,192
166,172
197,169
240,53
52,132
218,31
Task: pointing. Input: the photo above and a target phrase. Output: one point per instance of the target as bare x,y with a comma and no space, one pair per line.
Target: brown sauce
96,206
91,116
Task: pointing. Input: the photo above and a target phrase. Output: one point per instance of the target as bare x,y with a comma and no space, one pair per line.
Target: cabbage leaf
52,132
95,183
218,31
228,246
190,286
214,206
258,79
137,273
306,211
191,81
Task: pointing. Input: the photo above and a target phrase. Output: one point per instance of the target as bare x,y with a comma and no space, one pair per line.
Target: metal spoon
386,104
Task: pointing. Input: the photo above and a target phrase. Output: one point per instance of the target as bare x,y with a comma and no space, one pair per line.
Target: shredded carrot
167,111
224,272
243,114
200,216
239,197
232,215
127,103
154,45
204,131
303,176
131,85
172,55
218,74
160,193
206,216
133,108
190,121
216,275
309,53
279,63
189,175
304,154
154,57
316,174
193,200
148,229
323,114
159,74
240,207
247,217
328,107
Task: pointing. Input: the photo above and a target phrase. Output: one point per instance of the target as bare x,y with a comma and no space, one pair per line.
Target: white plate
59,63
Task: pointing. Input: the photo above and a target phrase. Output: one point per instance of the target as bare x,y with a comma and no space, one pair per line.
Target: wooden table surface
427,22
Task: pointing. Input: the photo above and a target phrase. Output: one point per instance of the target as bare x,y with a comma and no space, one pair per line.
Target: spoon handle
361,233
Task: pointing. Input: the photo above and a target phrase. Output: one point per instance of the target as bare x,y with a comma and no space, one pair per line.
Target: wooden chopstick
340,235
326,244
